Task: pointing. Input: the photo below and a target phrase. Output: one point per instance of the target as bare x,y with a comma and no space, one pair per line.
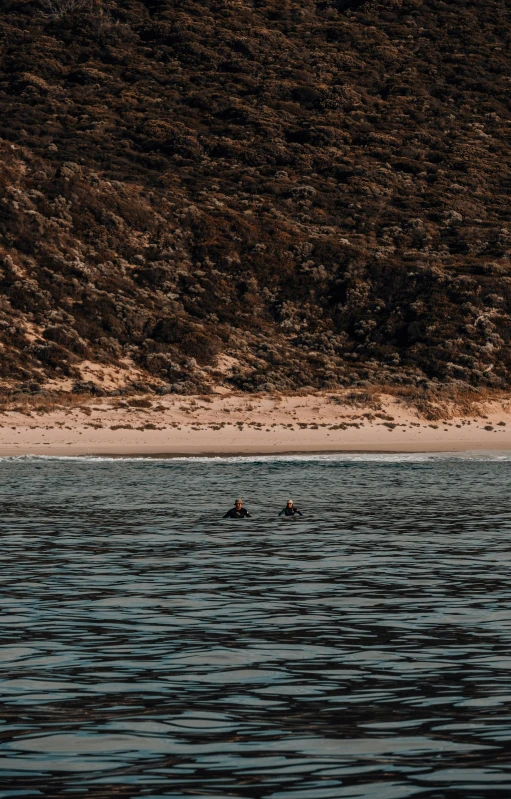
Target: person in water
238,512
290,510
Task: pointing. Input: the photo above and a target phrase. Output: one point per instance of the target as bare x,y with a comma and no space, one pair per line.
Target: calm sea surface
151,649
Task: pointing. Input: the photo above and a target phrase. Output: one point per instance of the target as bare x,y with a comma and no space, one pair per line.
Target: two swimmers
239,512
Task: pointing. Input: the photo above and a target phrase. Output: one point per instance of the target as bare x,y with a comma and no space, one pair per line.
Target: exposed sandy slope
241,424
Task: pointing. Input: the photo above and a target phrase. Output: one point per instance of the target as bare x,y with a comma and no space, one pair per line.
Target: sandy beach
240,424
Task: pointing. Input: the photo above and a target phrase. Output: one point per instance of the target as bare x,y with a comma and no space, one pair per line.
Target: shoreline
227,456
248,454
237,425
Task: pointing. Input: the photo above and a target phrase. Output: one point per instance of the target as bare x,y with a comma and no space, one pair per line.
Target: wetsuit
234,513
290,511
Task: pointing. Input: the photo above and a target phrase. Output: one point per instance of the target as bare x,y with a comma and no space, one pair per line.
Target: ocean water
150,648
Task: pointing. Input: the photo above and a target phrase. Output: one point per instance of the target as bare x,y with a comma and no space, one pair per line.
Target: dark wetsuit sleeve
282,512
227,515
298,512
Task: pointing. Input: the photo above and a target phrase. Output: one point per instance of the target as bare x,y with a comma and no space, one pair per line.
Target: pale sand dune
247,425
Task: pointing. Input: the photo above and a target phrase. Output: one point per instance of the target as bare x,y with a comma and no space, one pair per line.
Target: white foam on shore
340,457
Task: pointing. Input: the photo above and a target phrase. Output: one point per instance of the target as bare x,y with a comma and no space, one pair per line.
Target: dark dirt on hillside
318,190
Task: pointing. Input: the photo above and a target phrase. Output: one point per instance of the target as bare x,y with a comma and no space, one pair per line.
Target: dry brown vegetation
44,403
449,400
317,190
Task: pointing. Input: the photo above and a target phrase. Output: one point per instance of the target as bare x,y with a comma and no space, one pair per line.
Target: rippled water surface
151,649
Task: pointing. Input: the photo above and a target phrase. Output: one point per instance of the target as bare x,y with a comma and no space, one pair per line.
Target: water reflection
150,649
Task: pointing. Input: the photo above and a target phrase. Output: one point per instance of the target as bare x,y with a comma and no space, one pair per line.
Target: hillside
268,194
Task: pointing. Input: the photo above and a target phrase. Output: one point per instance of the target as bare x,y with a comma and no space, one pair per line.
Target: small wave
336,457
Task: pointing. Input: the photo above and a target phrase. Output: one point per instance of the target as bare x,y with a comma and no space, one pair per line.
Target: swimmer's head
238,502
289,502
